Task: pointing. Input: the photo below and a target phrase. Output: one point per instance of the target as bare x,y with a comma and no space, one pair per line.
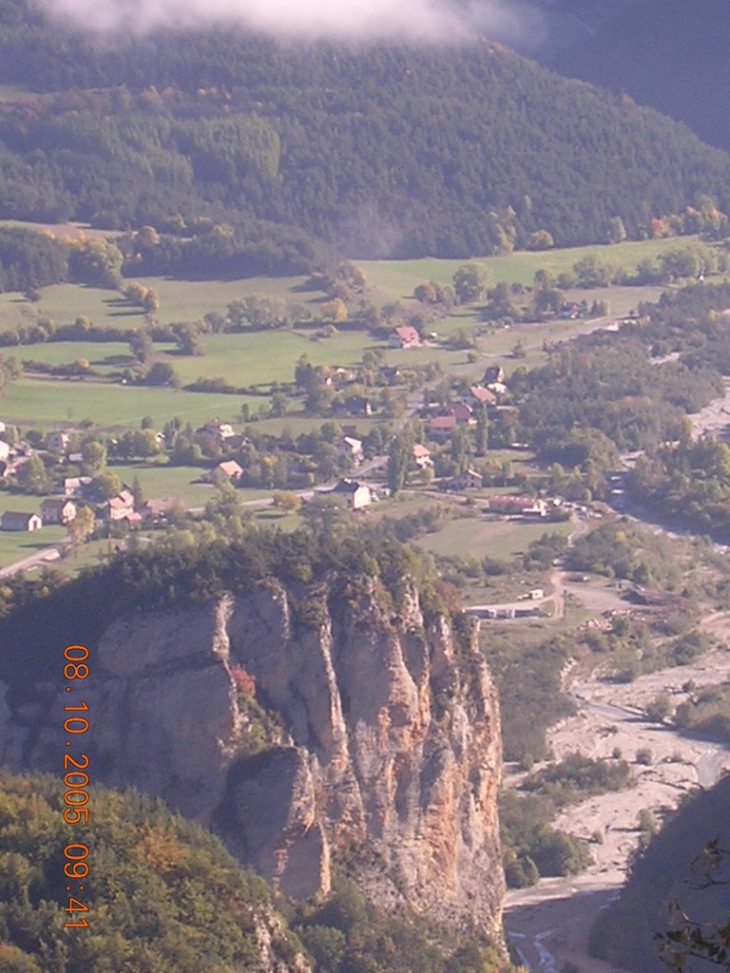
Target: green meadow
397,278
57,403
160,480
16,545
180,300
499,539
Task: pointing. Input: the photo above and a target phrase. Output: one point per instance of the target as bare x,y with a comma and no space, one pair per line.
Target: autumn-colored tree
335,310
80,527
244,681
288,501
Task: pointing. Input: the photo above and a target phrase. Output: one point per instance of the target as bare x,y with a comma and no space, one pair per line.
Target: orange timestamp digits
76,780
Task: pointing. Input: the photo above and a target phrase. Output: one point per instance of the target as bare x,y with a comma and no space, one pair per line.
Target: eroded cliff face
388,749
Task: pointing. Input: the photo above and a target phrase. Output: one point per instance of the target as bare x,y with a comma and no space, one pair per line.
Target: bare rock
388,751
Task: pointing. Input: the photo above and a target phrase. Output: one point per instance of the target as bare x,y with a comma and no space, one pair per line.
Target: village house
440,427
468,480
478,396
76,486
389,375
349,446
221,431
58,441
518,506
121,507
405,337
422,456
230,469
499,389
358,495
61,511
493,373
463,413
19,520
358,405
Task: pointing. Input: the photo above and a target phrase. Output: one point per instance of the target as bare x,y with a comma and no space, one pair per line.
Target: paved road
42,558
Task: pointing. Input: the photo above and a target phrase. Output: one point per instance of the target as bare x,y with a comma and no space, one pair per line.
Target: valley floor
549,923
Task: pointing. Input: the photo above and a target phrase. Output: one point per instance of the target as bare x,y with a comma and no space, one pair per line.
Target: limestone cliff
384,750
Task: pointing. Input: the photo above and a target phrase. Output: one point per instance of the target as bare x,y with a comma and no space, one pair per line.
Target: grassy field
397,278
180,300
244,360
501,540
183,300
103,357
16,545
263,357
57,403
161,480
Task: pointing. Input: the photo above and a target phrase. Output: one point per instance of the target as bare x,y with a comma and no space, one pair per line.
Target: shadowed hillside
625,934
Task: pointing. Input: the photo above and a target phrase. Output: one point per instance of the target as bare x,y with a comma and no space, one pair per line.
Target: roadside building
19,520
358,494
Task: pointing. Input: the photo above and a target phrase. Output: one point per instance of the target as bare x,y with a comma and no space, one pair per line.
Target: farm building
18,520
405,337
60,511
358,495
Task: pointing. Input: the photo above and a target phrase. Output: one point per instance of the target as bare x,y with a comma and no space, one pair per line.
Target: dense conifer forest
384,150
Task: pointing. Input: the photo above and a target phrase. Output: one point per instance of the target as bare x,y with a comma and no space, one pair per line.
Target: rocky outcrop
382,745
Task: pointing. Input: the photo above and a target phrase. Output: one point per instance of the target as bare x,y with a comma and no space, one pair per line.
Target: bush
644,756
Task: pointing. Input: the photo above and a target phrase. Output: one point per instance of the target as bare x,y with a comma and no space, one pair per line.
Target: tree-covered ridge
41,614
382,150
163,895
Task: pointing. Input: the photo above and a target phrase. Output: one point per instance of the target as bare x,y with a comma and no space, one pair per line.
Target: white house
349,446
358,495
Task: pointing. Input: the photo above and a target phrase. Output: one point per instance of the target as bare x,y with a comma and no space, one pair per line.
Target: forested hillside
381,150
161,895
672,56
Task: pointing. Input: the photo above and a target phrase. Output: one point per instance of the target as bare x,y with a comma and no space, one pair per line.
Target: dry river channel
548,924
